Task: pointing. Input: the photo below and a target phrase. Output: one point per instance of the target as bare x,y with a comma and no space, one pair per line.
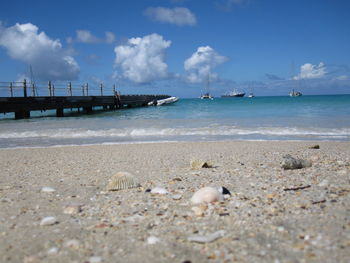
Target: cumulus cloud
48,59
141,60
180,16
85,36
201,64
309,71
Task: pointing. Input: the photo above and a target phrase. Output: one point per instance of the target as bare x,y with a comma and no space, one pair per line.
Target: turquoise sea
259,118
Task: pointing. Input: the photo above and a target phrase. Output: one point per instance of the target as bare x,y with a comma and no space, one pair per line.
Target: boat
294,93
207,94
233,94
251,95
296,84
166,101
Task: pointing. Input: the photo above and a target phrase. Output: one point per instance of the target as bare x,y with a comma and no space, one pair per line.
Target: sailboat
294,93
207,94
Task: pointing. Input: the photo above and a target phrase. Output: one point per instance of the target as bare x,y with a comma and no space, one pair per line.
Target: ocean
259,118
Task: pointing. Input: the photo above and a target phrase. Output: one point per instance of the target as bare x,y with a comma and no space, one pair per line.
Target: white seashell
208,238
152,240
50,220
47,189
122,180
159,190
207,195
95,259
176,197
52,251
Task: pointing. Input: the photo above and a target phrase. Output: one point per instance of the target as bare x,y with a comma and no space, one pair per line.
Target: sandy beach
273,215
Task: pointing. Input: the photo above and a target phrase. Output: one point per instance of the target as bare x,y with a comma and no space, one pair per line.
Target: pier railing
23,97
51,89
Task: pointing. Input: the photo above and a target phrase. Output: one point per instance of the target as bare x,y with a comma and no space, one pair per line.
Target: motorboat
233,94
166,101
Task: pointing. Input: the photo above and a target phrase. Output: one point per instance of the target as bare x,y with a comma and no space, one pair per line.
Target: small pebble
52,251
95,259
47,189
50,220
73,243
324,183
159,190
72,209
177,197
152,240
208,238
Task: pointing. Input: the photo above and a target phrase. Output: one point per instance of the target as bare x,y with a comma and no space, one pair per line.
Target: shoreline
174,142
265,219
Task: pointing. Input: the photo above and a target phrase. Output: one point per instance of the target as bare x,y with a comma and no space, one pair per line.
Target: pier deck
21,103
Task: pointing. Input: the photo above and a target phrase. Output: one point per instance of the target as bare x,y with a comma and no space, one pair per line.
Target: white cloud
48,59
180,16
110,37
342,77
141,60
85,36
309,71
201,64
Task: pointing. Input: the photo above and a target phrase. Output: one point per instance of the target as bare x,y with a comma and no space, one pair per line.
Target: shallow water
259,118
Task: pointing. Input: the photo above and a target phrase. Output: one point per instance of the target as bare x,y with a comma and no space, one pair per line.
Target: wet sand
273,215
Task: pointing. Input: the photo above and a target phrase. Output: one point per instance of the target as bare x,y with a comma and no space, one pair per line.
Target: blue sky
174,46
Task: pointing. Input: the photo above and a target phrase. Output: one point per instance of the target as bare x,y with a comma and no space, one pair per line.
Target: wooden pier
23,105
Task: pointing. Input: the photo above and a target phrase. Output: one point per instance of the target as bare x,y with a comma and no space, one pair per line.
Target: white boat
251,95
294,93
207,94
166,101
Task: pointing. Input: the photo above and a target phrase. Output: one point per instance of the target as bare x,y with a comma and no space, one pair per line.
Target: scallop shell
207,195
122,180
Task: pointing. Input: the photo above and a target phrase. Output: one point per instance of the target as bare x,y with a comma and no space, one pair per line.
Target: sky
177,47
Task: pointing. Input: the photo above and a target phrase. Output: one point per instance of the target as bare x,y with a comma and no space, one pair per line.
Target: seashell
198,164
50,220
72,209
122,180
47,189
208,238
177,197
52,251
95,259
207,195
159,190
152,240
